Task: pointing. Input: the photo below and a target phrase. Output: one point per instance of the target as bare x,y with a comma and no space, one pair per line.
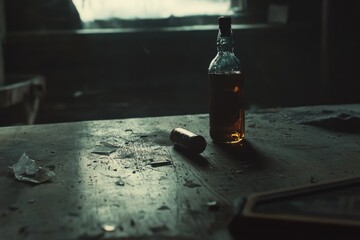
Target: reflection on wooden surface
86,199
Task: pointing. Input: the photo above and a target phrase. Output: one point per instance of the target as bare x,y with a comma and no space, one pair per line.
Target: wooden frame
271,221
299,191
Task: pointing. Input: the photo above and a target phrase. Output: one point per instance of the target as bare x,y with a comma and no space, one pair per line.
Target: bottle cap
225,26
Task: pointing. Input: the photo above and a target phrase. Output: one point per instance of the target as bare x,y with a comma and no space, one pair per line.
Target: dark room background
293,53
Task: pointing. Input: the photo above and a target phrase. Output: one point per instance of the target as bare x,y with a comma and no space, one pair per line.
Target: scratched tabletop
124,179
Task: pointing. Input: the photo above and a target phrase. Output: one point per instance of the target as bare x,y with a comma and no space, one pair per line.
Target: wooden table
86,202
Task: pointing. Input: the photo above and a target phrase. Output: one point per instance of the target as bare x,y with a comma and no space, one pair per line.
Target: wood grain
166,201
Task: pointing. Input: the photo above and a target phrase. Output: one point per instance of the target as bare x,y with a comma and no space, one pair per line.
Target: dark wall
280,65
27,15
131,73
2,33
343,51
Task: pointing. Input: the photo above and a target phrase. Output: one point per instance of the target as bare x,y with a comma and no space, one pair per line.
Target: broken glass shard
26,170
105,149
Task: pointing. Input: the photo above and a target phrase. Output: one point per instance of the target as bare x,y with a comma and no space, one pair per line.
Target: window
100,10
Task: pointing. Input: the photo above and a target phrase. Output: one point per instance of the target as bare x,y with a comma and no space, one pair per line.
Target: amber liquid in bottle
227,108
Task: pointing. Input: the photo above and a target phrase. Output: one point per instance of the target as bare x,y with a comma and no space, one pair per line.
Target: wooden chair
20,99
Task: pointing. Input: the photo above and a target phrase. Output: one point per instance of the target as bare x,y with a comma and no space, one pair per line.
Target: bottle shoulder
223,63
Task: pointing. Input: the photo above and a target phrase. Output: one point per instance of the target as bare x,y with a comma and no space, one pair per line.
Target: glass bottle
227,108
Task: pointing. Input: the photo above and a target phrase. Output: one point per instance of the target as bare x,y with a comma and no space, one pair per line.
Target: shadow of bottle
244,152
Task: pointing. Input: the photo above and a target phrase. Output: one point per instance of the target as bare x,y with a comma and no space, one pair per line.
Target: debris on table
190,184
163,207
313,179
132,223
160,163
105,149
213,205
108,227
51,167
13,207
120,182
26,170
74,213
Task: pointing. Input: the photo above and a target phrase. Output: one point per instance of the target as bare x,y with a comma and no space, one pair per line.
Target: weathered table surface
84,201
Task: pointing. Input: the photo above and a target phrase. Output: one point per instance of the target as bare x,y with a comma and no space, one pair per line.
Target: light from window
90,10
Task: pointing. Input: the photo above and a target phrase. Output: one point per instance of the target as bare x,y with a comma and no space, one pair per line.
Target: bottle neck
225,43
